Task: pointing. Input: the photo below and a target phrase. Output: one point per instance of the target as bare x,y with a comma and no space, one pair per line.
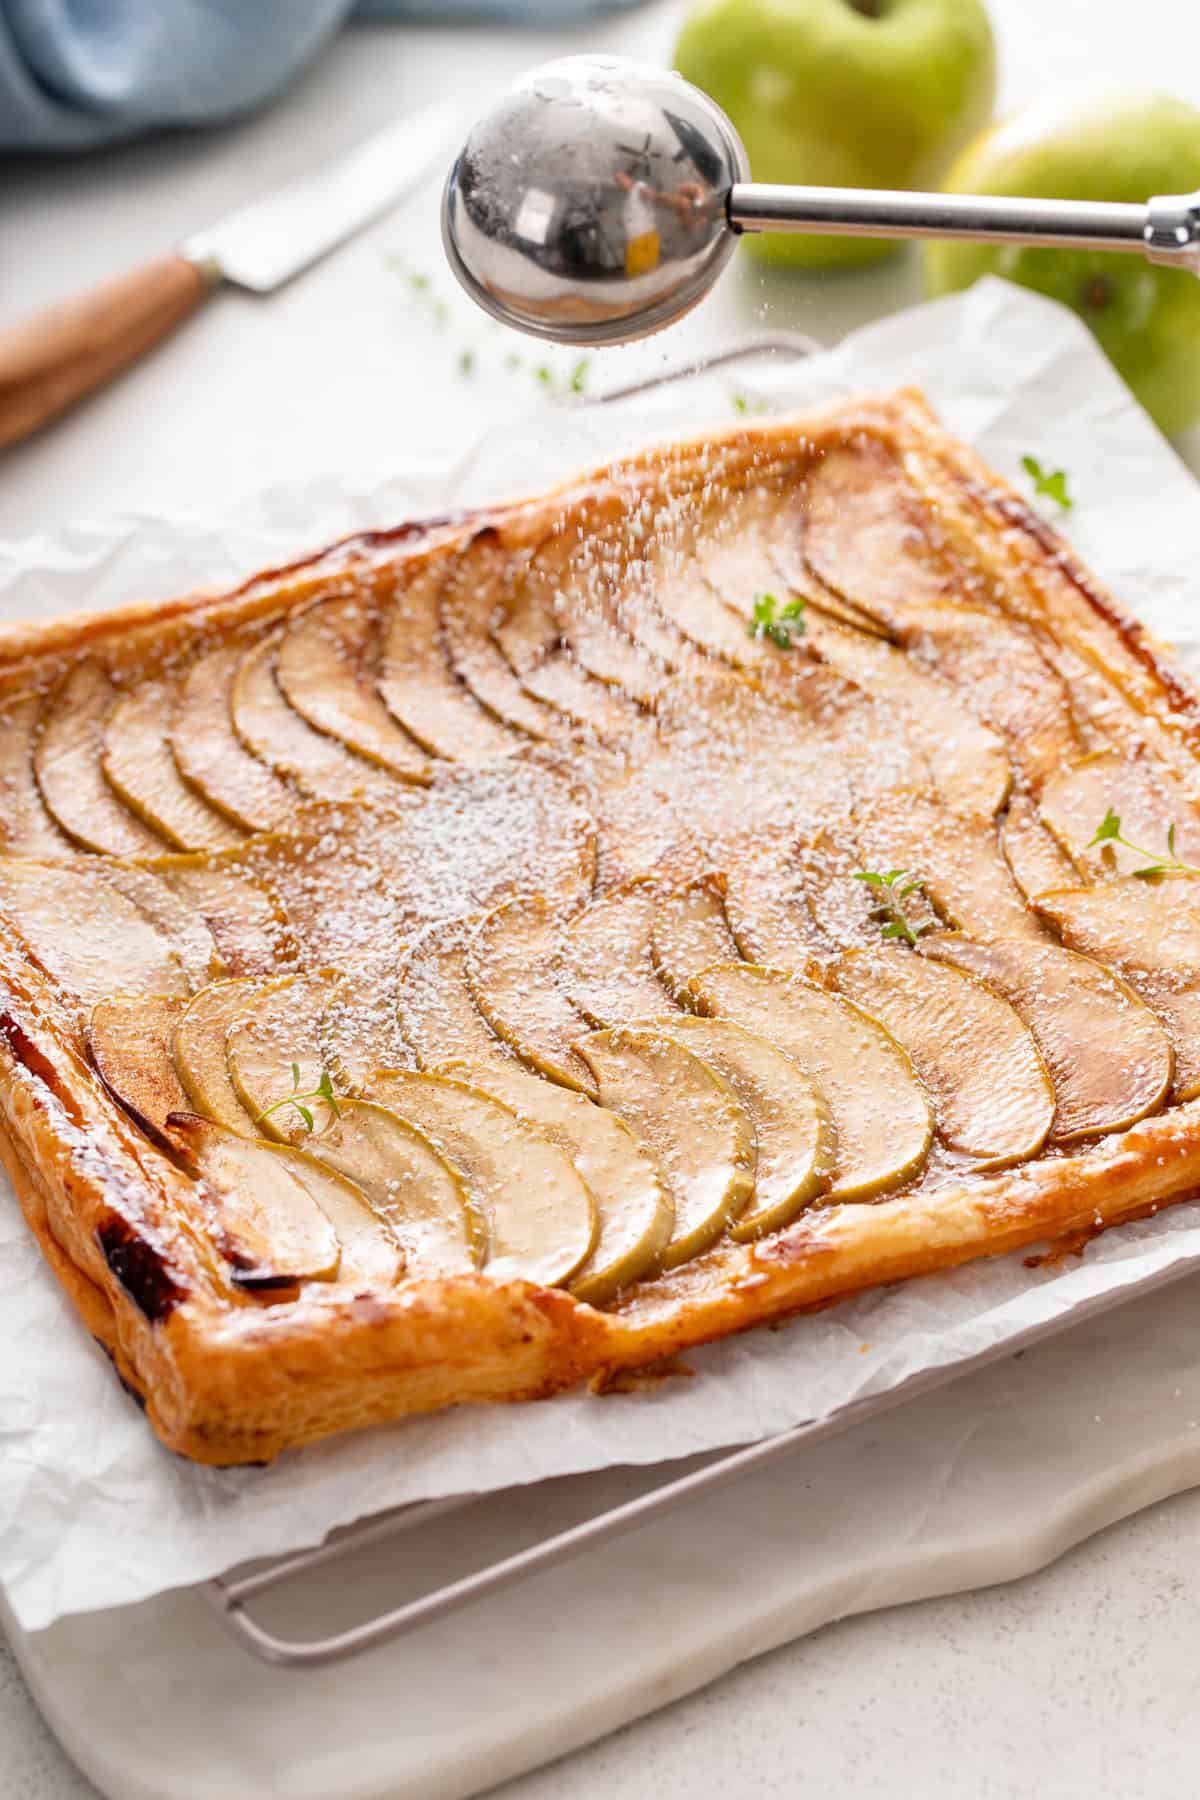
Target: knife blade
265,243
52,360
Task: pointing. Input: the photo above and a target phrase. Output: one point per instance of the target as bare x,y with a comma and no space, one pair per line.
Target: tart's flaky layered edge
228,1380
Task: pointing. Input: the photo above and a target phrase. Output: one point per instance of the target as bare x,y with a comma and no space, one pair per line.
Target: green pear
1096,145
843,93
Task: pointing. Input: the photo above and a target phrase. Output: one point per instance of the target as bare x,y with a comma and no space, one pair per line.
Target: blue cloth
78,73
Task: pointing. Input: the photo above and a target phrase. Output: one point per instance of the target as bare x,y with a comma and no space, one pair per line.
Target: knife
68,349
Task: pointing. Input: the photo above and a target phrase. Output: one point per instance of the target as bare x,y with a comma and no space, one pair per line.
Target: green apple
843,93
1096,145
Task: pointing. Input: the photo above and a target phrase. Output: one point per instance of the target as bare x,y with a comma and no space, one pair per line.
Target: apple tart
502,952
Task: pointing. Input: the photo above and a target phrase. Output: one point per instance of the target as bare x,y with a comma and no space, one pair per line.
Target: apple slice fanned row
539,1216
433,1007
211,756
880,1112
1147,933
1079,1013
328,667
795,1144
244,919
635,1217
140,765
610,976
517,976
286,1216
67,762
321,767
92,939
979,1064
26,825
690,932
958,858
418,686
690,1121
1036,860
476,589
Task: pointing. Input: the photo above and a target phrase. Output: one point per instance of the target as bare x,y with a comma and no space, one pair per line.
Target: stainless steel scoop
599,200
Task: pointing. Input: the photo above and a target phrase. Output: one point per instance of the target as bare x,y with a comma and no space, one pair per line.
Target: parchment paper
93,1513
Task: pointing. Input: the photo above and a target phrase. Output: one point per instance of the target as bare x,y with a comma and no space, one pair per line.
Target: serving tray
981,1482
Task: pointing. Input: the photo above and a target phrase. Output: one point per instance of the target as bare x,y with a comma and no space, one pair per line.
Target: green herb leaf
322,1091
1050,482
579,374
1109,832
545,374
781,624
891,890
466,362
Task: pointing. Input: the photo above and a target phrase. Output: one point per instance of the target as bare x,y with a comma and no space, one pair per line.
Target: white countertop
1078,1682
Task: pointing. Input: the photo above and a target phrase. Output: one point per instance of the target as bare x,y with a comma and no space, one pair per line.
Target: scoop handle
1166,229
55,357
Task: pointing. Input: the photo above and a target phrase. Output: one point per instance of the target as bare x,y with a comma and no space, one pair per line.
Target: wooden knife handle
54,358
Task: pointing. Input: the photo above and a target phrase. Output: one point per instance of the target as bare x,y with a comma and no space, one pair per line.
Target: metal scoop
599,200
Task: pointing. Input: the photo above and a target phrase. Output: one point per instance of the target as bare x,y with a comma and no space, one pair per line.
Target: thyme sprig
322,1091
1109,832
1050,482
781,624
890,889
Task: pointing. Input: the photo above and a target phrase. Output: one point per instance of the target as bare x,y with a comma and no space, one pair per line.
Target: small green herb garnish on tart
1109,832
781,624
1050,482
322,1091
889,891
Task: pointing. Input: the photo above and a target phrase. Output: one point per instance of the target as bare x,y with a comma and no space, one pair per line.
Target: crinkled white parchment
93,1513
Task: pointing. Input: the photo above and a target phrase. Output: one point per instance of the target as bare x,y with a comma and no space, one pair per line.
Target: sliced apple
517,977
1148,932
526,628
879,1109
410,1184
967,760
185,929
371,1252
1077,1011
636,1217
85,933
138,764
210,754
417,685
327,665
992,1097
690,1121
438,1019
359,1031
795,1141
66,761
866,535
270,1227
26,826
275,1050
1148,798
690,932
584,574
273,731
1035,859
130,1042
199,1051
768,912
540,1215
610,975
957,858
1000,673
246,922
597,623
476,591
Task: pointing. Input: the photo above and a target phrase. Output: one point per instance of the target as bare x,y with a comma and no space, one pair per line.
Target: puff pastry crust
345,771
